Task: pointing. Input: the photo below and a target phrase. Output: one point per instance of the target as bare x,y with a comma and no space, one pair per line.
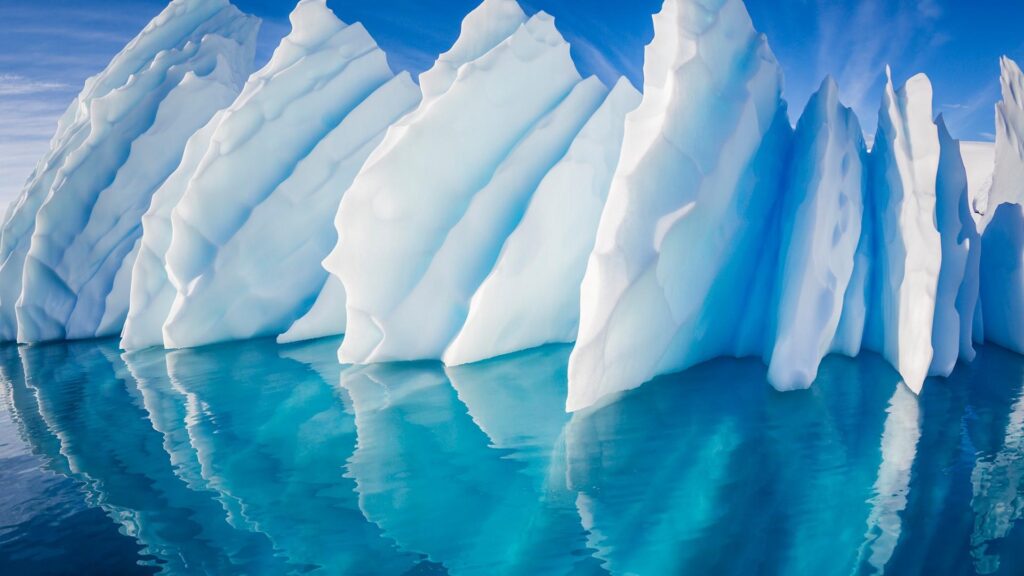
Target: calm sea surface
254,458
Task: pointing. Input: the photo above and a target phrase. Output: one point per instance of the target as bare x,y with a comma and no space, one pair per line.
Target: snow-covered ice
152,293
957,296
980,161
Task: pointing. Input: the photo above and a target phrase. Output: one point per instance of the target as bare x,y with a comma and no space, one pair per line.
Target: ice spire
673,272
1002,260
906,156
823,210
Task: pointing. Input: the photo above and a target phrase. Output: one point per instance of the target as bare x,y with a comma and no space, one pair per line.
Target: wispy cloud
47,50
959,115
601,64
15,85
856,42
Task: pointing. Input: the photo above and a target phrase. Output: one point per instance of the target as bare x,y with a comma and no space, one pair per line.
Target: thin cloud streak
852,47
15,85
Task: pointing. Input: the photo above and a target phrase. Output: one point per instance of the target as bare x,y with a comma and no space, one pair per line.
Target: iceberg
76,223
425,217
679,243
823,207
230,230
506,203
531,296
1002,253
485,27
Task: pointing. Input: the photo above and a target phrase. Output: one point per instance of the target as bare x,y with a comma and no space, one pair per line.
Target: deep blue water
255,458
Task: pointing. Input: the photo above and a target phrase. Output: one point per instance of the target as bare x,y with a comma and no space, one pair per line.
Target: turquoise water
255,458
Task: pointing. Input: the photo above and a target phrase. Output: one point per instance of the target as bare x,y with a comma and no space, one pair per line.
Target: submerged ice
505,202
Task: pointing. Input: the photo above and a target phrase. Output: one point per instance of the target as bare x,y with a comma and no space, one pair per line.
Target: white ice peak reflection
505,202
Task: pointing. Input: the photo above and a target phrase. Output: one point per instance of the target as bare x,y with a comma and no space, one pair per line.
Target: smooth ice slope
957,295
197,47
423,221
152,293
267,251
438,304
325,318
482,29
822,213
238,267
673,279
906,156
1002,261
531,297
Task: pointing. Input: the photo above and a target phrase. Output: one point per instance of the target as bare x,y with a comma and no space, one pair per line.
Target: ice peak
1012,83
313,22
482,29
1009,70
829,88
542,27
1009,145
622,87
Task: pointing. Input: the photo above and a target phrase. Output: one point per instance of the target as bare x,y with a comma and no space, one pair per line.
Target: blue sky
49,47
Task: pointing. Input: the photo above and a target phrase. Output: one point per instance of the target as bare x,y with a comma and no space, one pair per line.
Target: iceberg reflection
91,406
682,477
899,450
272,437
464,474
250,458
998,476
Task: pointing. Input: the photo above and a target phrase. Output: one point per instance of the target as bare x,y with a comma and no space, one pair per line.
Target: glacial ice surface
957,297
72,230
286,151
531,296
423,221
689,208
906,155
822,208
